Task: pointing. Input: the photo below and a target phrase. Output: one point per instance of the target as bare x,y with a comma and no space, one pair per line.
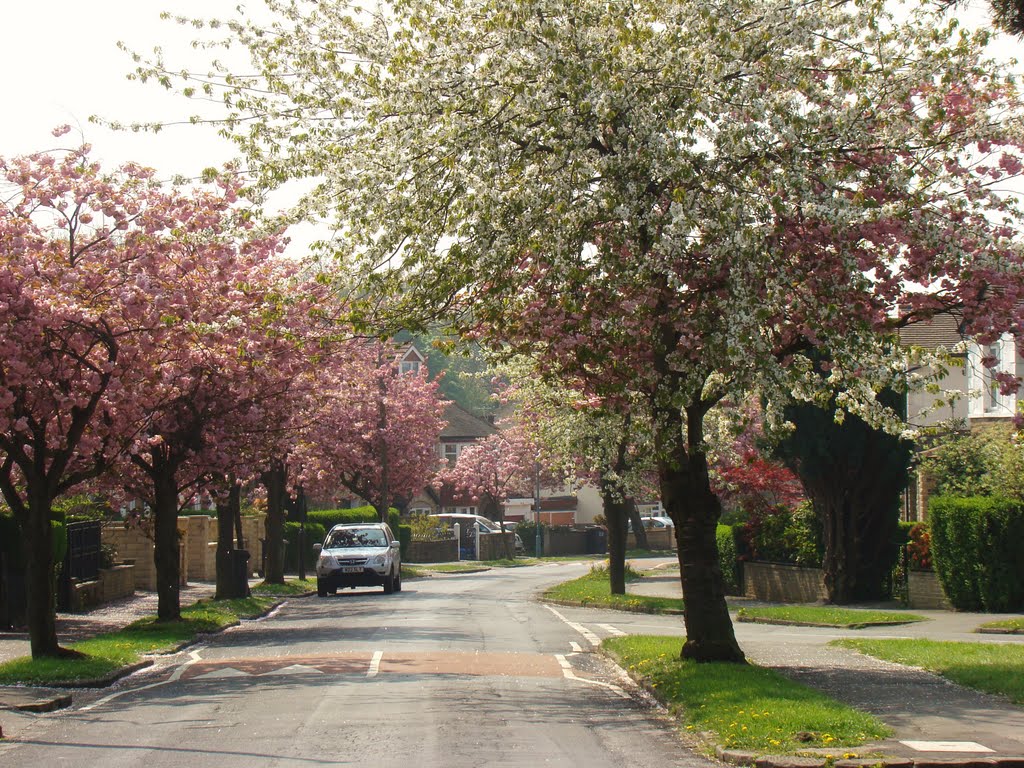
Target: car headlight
327,561
376,560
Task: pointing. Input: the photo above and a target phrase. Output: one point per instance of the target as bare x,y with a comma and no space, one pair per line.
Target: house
963,394
967,392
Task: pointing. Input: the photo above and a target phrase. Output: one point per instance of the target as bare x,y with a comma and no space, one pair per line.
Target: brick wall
446,551
657,538
783,583
925,592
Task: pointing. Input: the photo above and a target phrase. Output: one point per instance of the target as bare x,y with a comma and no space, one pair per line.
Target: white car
359,555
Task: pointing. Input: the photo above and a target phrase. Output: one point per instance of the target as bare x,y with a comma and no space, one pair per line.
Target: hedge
725,537
315,534
975,550
329,518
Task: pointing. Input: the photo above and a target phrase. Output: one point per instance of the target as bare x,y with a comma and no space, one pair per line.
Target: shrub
782,535
404,533
728,556
974,548
329,518
919,546
315,534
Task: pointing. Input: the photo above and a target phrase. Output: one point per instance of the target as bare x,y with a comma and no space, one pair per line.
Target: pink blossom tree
375,431
84,306
217,378
499,466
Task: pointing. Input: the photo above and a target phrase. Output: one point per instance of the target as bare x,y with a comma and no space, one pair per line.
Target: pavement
935,723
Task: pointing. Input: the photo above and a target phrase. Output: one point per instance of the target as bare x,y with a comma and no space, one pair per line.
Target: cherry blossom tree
495,468
671,200
223,362
376,430
83,306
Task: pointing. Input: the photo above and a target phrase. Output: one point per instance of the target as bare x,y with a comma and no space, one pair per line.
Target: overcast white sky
62,64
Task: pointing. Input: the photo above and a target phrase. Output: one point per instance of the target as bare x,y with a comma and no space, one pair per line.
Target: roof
460,423
942,330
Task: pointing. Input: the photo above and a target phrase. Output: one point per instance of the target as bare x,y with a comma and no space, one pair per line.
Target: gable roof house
962,395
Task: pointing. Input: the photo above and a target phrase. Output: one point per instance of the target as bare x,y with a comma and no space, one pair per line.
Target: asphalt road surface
465,670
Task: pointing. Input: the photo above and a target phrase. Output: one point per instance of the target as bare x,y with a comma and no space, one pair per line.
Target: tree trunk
695,510
40,584
639,532
166,552
274,480
229,583
615,516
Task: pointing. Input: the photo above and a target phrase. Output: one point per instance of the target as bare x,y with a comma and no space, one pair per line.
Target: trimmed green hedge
315,534
728,557
329,518
976,551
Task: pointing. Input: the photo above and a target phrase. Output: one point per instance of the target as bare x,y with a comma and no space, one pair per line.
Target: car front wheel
321,587
398,580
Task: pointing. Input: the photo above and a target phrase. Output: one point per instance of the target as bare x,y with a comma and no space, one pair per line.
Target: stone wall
564,541
497,546
198,548
924,591
112,584
780,583
657,538
445,551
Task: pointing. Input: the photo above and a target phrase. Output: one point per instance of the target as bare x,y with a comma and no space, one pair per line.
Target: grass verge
990,667
741,706
106,654
290,588
824,616
594,590
1007,625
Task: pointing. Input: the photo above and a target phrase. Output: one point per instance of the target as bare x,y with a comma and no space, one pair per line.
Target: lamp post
539,538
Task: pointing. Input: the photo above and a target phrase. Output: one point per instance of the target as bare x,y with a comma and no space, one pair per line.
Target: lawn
741,706
105,654
594,590
1006,625
290,588
991,667
824,616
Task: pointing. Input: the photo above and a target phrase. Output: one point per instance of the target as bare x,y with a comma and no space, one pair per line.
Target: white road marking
569,674
576,647
612,630
222,672
947,746
193,658
375,664
587,634
293,669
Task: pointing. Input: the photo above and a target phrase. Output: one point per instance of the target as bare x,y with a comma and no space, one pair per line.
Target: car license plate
352,569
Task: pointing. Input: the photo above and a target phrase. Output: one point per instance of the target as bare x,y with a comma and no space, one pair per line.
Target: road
464,670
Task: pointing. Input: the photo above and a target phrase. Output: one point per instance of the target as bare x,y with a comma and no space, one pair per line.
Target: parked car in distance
359,555
466,521
511,528
658,521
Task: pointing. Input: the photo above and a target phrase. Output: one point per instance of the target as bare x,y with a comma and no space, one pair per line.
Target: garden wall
445,551
657,538
779,583
112,584
924,591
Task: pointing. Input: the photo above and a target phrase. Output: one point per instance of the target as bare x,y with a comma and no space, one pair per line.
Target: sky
62,65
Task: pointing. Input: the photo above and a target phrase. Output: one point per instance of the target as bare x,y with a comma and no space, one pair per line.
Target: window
991,393
410,366
451,453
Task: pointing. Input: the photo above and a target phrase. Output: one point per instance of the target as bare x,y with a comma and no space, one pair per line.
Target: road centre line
590,636
375,664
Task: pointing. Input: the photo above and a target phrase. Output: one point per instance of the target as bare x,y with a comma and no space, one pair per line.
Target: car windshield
357,537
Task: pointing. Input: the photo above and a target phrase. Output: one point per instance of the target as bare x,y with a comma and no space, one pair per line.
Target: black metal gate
82,562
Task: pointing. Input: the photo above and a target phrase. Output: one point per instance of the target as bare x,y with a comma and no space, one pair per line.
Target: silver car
359,555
